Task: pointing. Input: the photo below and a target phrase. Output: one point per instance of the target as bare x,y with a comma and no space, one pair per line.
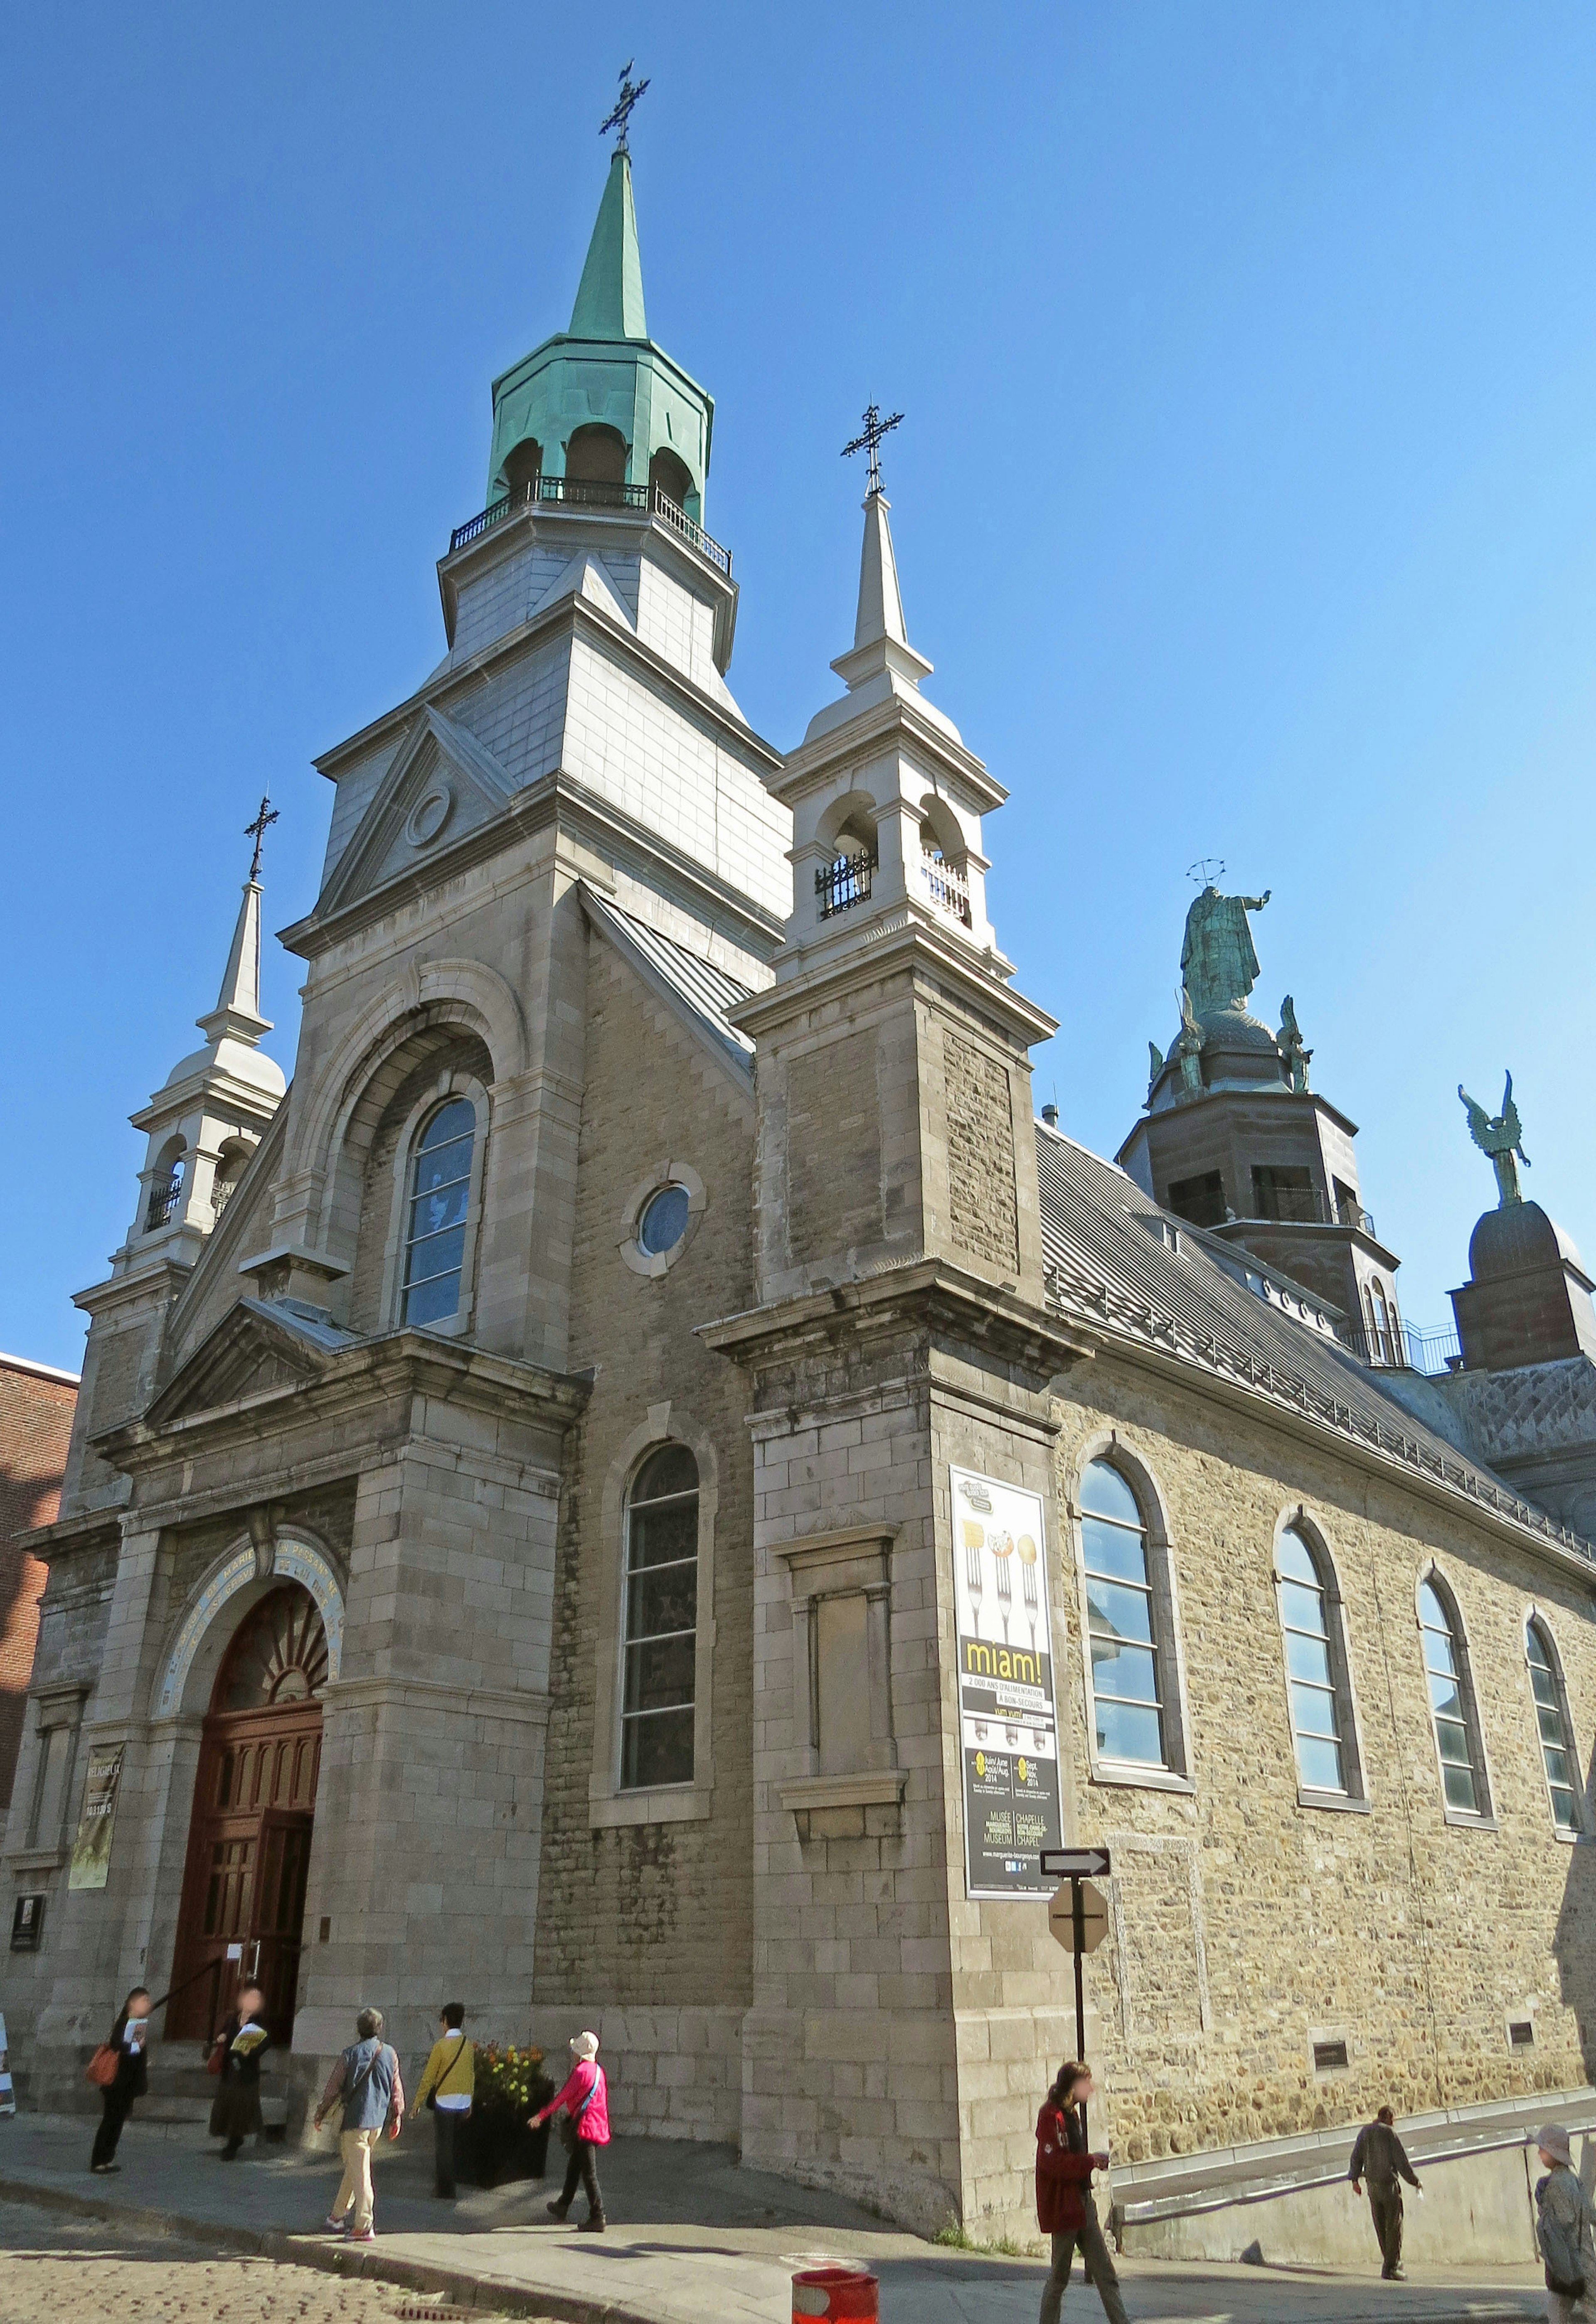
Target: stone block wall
643,1929
1246,1926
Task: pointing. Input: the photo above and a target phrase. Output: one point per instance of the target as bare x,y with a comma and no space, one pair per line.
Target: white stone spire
210,1112
881,606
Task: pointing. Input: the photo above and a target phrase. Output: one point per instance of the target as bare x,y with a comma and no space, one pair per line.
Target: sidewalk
692,2235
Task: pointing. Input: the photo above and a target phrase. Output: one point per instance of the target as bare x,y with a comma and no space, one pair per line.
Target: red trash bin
843,2292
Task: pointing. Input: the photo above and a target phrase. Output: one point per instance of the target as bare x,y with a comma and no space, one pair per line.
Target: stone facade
36,1406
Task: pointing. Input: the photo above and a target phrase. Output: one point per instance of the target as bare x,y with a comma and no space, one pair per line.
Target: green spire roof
610,296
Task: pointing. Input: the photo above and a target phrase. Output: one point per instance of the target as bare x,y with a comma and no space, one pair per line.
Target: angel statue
1501,1139
1294,1054
1155,1065
1190,1046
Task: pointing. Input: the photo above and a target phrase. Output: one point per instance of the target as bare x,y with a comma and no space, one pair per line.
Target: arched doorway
249,1842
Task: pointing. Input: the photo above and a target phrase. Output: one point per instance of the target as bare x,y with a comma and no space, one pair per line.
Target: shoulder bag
568,2133
101,2069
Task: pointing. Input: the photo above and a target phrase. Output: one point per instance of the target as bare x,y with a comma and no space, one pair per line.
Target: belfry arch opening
523,466
673,477
596,454
242,1915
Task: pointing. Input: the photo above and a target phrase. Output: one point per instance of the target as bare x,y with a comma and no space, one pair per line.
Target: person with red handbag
119,2072
1065,2208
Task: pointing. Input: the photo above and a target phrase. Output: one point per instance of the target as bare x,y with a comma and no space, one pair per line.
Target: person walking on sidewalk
1065,2208
447,2086
237,2055
367,2083
1563,2226
1378,2156
128,2037
585,2100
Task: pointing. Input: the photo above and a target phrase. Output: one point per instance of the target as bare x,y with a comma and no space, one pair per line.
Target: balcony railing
844,882
164,1201
1397,1346
1305,1206
577,491
949,888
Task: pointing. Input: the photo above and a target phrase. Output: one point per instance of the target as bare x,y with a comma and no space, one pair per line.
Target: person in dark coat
1378,2156
127,2037
1065,2208
243,2042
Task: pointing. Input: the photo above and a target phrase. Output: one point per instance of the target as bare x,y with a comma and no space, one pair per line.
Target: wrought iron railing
844,882
578,491
1397,1346
163,1201
1305,1206
949,888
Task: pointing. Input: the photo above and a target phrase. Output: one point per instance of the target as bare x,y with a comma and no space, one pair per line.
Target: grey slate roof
1108,1254
707,990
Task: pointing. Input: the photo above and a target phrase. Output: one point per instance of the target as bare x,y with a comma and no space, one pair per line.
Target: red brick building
36,1406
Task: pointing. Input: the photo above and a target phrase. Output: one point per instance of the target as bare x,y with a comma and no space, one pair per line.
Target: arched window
846,879
435,1224
1382,1324
1551,1714
1322,1725
661,1621
231,1165
596,454
1124,1641
166,1186
1451,1700
523,467
669,476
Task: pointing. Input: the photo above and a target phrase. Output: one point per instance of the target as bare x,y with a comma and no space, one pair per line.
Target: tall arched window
166,1185
661,1623
1551,1714
1123,1628
1322,1725
435,1223
1451,1703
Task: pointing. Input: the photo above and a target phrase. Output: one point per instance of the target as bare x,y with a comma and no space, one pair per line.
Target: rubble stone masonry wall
1247,1926
644,1925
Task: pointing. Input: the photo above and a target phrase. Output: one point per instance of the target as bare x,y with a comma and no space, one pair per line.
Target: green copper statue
1218,965
1501,1139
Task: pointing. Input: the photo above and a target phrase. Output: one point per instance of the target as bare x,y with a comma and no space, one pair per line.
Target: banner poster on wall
7,2095
91,1850
1007,1720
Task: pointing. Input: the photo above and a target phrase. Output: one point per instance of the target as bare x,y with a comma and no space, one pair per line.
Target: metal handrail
581,492
845,881
164,1201
949,887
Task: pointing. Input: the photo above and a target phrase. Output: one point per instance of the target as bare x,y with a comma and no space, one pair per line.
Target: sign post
1078,1919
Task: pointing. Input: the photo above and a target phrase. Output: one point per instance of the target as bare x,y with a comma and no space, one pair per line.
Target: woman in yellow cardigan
446,2085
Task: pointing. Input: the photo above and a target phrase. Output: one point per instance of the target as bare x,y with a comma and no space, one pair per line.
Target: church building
644,1488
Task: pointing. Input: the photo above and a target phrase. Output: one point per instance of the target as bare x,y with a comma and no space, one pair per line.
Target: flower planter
499,2148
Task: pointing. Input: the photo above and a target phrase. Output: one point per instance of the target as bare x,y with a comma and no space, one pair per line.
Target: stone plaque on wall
1008,1722
981,1209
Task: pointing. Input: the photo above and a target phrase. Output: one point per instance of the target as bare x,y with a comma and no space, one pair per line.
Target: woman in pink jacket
585,2100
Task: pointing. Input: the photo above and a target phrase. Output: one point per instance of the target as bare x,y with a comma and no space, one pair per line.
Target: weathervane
257,832
1206,870
630,91
870,441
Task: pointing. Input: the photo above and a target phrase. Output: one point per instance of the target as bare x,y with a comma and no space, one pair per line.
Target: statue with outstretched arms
1501,1139
1218,964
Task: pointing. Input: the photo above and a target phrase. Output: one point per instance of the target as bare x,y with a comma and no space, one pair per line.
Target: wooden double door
249,1855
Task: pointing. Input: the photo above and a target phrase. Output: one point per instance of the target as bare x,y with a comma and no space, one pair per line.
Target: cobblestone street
55,2267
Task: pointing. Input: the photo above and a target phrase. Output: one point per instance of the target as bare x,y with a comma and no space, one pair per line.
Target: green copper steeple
601,403
610,296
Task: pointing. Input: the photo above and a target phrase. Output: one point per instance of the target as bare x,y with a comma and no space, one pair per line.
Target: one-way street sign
1074,1863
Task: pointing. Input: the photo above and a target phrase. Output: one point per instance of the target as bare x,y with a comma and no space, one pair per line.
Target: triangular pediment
587,577
259,1345
441,784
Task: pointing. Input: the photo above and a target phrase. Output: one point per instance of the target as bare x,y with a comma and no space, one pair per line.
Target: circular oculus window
664,1221
429,815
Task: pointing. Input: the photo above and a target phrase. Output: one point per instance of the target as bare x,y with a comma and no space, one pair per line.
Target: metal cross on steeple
257,832
630,91
875,427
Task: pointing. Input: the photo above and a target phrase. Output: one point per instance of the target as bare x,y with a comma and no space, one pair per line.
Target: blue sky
1246,500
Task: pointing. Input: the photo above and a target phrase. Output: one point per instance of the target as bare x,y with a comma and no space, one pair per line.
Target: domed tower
1234,1139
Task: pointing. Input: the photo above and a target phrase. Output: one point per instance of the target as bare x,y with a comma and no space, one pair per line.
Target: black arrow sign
1074,1863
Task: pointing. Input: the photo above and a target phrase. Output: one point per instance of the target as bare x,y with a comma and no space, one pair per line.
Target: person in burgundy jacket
586,2102
1065,2208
